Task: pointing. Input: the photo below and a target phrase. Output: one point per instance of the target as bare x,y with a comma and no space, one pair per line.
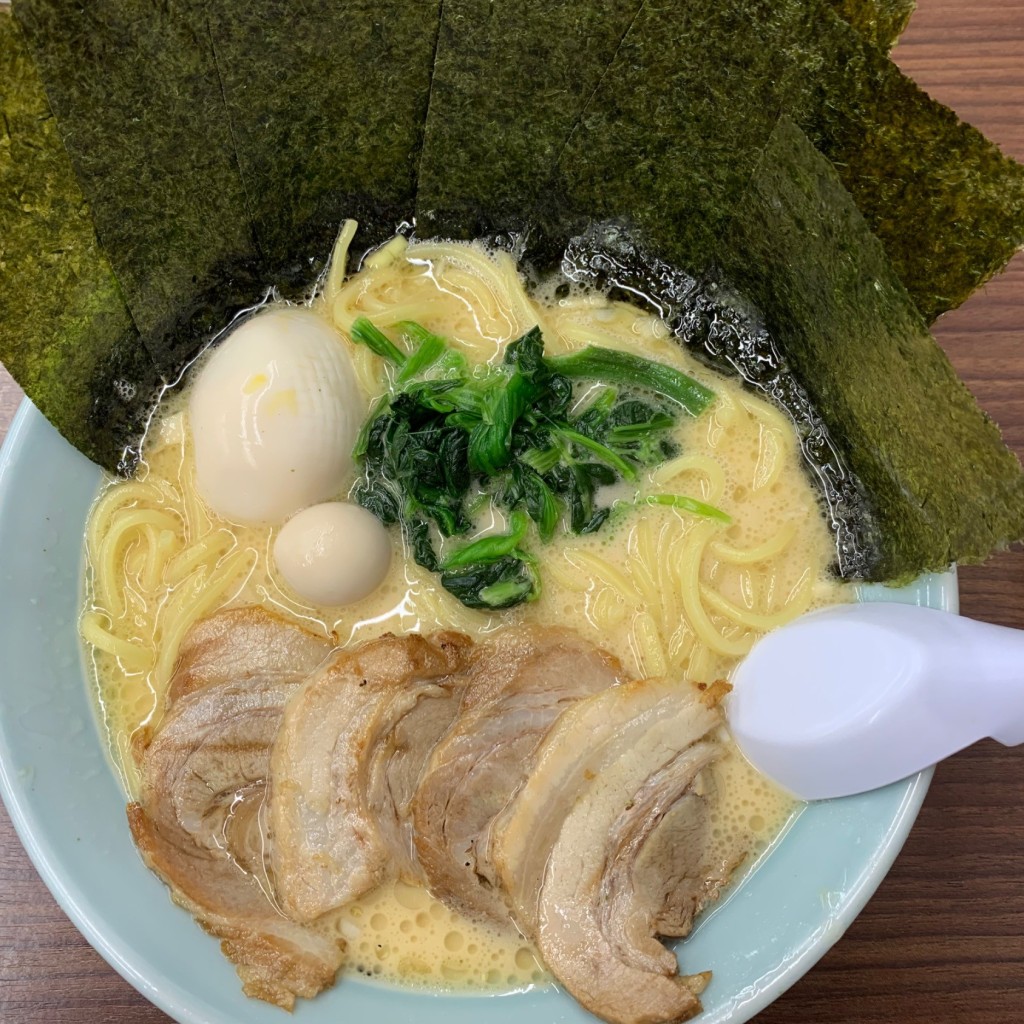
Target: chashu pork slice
608,842
344,764
199,821
396,765
518,684
240,643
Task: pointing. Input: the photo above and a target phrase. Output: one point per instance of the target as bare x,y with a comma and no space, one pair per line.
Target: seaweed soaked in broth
666,592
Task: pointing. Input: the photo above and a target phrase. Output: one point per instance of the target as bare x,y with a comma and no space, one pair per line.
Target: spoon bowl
851,698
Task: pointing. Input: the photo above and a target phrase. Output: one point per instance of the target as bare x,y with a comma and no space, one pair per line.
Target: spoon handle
997,680
971,675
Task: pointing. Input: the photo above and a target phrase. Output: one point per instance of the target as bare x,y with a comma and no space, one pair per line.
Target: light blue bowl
69,810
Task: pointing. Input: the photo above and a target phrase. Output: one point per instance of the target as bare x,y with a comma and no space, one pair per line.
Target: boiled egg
274,414
333,553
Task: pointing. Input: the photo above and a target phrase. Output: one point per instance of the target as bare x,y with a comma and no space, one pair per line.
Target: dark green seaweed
140,109
483,166
946,204
511,78
65,332
327,103
880,21
672,132
670,136
942,485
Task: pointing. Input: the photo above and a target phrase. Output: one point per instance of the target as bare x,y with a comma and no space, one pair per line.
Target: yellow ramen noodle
665,591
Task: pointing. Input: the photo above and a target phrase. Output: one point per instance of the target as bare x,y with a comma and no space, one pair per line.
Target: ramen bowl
66,802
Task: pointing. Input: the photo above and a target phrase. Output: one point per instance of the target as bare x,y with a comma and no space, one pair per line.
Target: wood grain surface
943,939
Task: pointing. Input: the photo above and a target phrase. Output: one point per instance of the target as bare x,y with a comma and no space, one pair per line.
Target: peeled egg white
274,414
334,553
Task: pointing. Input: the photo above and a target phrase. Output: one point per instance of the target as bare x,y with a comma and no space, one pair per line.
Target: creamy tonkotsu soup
668,592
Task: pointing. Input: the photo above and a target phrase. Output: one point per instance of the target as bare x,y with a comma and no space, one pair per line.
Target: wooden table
943,940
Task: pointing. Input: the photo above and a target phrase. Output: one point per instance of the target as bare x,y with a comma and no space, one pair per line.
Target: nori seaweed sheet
327,101
65,332
140,109
880,21
511,78
671,132
946,204
942,486
482,167
674,128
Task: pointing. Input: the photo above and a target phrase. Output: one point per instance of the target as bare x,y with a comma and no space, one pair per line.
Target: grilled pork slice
396,764
587,851
351,746
241,643
518,684
199,819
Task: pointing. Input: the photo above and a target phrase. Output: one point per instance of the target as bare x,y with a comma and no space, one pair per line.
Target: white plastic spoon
854,697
